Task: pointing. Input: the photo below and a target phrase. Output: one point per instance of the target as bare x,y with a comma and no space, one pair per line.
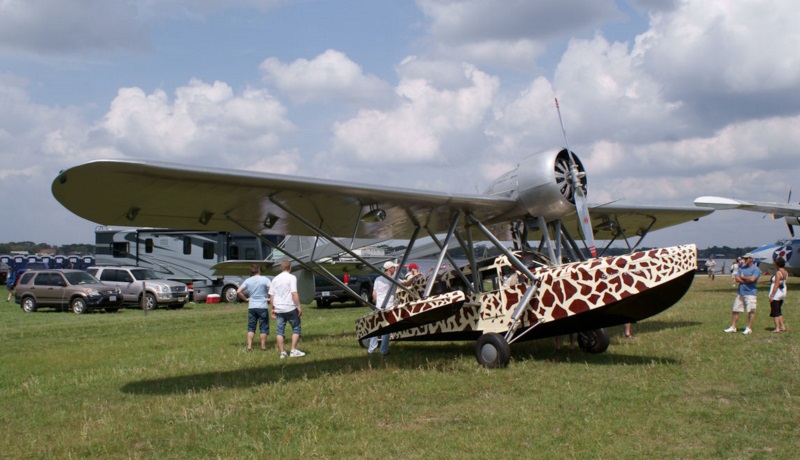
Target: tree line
35,248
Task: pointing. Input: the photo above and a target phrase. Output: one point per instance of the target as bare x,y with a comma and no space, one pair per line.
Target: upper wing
776,209
151,194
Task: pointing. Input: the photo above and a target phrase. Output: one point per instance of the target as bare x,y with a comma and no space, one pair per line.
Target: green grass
179,384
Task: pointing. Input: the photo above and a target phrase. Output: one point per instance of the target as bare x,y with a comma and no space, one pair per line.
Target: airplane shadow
404,355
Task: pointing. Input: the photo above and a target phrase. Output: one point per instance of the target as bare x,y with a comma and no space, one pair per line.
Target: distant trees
34,248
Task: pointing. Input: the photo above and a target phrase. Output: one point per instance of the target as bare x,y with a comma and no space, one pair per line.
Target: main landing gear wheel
492,351
593,341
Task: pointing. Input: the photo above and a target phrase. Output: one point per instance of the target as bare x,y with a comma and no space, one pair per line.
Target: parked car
327,292
60,289
132,281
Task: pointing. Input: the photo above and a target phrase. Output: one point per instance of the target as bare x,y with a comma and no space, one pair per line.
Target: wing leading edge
152,194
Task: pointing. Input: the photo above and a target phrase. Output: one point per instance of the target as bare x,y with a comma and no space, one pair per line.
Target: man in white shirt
384,300
286,307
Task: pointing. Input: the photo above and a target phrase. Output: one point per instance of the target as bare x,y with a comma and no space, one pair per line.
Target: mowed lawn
179,384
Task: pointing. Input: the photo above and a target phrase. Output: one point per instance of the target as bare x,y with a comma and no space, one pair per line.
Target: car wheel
28,305
150,301
365,297
321,303
229,294
492,350
79,306
593,341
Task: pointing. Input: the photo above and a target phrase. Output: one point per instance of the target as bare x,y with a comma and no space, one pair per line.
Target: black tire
79,305
150,301
365,296
229,294
492,351
594,340
322,303
28,304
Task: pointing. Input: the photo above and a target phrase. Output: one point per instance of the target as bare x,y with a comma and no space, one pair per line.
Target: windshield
145,274
81,278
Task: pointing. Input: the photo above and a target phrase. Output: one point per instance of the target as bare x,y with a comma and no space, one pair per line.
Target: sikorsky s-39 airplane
789,249
530,291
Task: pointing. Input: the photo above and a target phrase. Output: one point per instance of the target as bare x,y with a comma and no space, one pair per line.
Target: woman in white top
777,292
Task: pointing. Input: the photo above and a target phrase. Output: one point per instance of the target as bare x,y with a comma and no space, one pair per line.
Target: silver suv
61,288
133,280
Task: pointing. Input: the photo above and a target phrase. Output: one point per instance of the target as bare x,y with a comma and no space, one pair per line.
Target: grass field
179,384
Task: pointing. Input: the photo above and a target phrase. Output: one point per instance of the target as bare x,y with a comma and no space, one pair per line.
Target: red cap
412,265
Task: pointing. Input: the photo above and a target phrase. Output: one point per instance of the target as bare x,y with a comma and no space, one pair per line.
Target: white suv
131,280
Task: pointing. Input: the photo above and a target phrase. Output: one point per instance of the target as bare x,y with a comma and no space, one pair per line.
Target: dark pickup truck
327,292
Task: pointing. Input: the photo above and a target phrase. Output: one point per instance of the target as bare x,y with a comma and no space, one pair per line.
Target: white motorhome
182,255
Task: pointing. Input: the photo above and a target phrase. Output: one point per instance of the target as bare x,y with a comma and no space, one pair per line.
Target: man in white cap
381,294
746,294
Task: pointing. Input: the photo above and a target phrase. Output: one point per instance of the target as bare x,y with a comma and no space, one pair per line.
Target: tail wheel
492,351
594,340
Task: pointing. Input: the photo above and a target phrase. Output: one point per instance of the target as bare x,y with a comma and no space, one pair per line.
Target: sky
663,100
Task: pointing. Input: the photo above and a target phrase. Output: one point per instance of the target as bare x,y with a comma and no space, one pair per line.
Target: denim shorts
258,315
292,317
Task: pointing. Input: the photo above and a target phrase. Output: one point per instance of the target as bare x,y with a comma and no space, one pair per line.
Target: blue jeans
258,315
292,317
373,344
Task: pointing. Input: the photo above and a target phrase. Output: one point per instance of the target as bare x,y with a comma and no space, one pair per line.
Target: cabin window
187,245
119,250
148,245
489,280
208,250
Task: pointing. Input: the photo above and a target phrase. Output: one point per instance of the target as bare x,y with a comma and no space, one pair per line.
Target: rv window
208,250
187,244
148,245
233,253
250,254
119,250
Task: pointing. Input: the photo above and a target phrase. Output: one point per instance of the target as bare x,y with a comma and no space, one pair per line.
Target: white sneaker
296,353
730,329
747,330
283,354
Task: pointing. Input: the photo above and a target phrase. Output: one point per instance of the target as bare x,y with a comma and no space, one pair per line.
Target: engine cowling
541,184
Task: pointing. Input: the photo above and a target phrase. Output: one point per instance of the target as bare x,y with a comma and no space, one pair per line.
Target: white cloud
204,120
512,35
413,132
725,47
329,76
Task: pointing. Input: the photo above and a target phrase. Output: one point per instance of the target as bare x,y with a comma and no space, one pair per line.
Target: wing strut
442,254
344,248
308,266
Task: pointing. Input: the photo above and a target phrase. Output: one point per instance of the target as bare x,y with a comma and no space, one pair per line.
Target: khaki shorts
743,302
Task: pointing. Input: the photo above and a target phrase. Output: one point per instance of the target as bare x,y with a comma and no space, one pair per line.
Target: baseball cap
388,265
412,265
747,256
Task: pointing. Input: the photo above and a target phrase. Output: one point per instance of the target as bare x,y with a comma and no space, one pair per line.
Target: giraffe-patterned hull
573,297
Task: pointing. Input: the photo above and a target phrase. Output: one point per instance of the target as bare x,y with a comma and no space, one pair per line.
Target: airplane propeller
791,227
578,191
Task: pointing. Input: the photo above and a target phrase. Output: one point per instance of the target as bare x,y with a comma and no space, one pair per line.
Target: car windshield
81,278
145,274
